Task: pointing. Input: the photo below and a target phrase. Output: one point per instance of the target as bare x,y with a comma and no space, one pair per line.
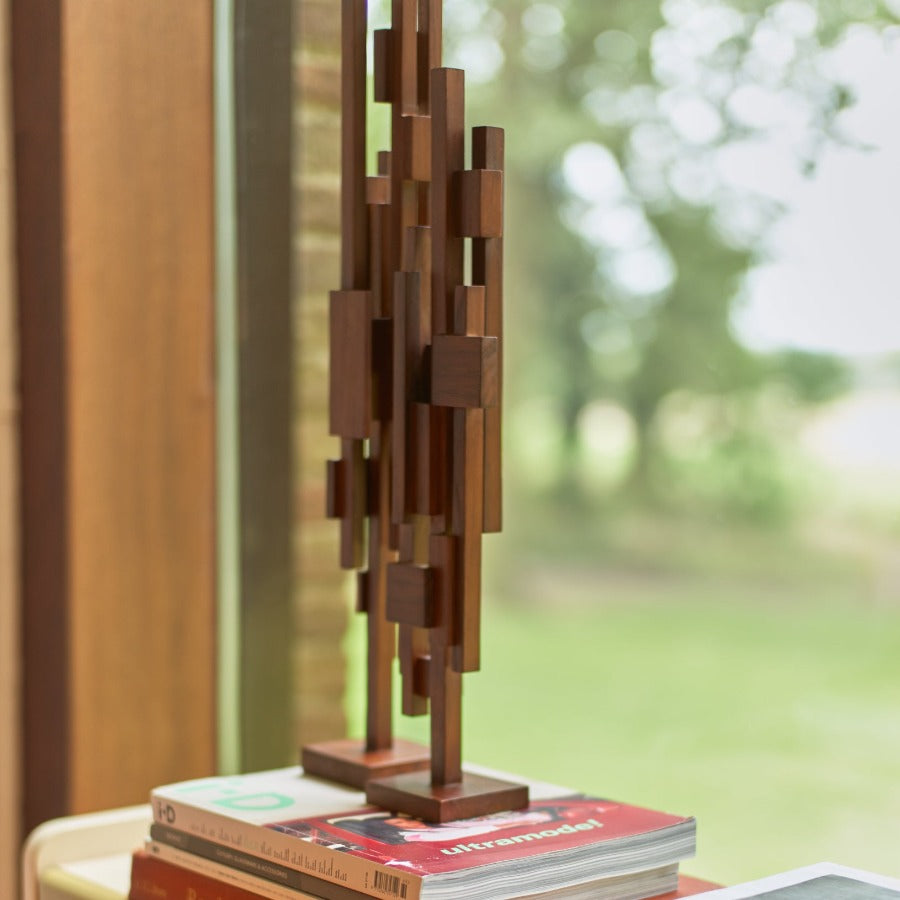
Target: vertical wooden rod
354,217
487,269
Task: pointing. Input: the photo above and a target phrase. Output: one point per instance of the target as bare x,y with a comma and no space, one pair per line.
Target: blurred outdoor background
695,600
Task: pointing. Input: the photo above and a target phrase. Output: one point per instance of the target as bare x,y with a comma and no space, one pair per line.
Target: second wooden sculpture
415,399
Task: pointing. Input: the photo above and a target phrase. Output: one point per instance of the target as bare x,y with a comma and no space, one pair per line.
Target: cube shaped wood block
416,148
410,598
378,190
350,396
464,371
480,198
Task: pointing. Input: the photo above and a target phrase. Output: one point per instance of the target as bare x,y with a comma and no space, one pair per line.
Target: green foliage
813,377
627,247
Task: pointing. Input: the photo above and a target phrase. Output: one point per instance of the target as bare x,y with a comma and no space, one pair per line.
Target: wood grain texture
488,152
464,372
467,797
445,688
410,595
415,147
350,763
413,650
381,633
378,190
354,504
404,17
479,193
10,615
406,294
350,390
467,499
429,499
422,490
37,109
447,158
138,239
384,85
447,260
354,221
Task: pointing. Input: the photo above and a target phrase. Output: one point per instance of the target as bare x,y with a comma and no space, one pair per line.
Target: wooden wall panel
10,772
113,105
138,225
36,69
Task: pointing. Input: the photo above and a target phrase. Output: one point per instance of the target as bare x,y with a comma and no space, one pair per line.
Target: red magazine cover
546,826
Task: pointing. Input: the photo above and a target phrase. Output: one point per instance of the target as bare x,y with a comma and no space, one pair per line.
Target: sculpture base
475,795
348,762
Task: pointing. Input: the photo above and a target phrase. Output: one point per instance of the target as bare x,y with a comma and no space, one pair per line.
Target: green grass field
763,699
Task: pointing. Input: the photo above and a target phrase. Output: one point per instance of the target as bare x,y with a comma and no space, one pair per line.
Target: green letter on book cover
256,801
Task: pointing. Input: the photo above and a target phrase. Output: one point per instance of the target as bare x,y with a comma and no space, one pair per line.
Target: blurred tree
630,226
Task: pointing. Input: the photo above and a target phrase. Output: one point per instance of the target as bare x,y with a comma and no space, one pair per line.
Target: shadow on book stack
284,835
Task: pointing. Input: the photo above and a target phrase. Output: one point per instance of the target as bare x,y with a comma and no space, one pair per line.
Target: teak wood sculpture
415,400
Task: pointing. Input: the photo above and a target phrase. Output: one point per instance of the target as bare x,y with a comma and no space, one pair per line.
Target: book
154,878
268,880
634,886
166,873
287,822
822,881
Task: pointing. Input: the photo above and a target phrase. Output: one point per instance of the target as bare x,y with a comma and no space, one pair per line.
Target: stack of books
283,835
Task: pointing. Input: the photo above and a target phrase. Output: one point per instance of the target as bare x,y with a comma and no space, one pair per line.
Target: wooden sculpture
415,400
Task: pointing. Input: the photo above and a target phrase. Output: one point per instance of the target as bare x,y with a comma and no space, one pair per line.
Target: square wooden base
348,762
475,795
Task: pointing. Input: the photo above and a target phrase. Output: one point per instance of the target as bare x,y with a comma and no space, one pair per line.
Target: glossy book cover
545,826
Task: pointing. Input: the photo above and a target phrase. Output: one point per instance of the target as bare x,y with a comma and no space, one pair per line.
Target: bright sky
834,282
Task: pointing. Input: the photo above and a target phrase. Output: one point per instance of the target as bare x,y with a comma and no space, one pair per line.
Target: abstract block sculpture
415,400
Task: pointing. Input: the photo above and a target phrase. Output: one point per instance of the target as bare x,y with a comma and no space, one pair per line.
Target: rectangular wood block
353,535
348,762
464,371
350,396
471,796
362,591
383,47
425,490
416,147
335,488
412,644
421,674
480,199
488,152
404,283
382,366
448,155
410,595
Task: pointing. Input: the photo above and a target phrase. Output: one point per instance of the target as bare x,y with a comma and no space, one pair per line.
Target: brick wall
321,593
